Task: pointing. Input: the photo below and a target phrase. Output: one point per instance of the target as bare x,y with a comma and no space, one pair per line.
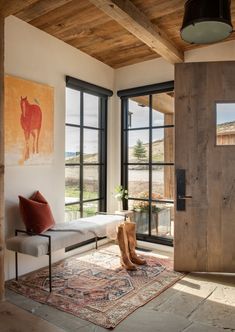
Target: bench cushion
99,225
37,246
65,235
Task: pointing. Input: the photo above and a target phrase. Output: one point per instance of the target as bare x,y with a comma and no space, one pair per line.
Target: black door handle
184,197
181,196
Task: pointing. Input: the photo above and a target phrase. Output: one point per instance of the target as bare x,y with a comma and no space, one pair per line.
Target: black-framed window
85,148
147,159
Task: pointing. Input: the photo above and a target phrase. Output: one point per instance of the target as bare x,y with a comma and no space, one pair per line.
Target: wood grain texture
154,9
82,25
39,8
11,7
2,206
134,21
169,156
204,233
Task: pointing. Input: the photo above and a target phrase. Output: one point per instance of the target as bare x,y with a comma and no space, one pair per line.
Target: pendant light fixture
206,21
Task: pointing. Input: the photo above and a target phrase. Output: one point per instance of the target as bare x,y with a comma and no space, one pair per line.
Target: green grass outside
73,191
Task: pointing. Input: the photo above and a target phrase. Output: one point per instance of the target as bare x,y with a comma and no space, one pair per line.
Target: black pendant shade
206,21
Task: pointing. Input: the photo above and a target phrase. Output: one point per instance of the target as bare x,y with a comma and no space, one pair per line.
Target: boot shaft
130,228
131,237
124,248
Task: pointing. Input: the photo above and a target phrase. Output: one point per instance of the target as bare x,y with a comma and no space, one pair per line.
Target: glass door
148,163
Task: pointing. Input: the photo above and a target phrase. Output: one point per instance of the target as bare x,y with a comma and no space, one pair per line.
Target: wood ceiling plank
10,7
107,36
84,26
40,8
158,8
130,45
60,16
129,17
132,60
108,45
73,31
128,55
88,20
97,38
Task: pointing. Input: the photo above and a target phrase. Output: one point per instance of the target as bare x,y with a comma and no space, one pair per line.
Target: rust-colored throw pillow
36,213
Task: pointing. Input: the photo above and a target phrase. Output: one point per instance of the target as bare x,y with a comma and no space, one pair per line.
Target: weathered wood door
204,238
2,234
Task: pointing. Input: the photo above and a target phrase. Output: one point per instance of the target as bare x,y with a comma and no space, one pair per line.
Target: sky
225,112
90,119
139,118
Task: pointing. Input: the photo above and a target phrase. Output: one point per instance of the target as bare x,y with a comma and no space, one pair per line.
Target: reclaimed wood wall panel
188,240
2,205
169,179
204,233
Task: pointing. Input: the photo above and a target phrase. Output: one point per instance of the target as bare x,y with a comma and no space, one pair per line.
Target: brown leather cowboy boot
123,245
131,236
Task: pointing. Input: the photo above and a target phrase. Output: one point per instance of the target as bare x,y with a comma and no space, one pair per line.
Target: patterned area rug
94,287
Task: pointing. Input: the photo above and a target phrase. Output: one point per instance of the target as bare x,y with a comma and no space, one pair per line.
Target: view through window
225,123
85,154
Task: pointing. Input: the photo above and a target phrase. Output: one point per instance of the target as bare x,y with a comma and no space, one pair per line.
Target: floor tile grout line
200,303
186,327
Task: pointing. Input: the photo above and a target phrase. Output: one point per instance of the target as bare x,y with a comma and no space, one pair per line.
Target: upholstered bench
62,236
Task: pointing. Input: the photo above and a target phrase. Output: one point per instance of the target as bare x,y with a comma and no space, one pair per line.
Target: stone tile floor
197,303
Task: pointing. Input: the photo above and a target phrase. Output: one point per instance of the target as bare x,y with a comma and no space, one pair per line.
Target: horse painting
31,121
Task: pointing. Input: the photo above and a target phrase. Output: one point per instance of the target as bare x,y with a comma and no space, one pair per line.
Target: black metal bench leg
96,243
50,274
16,265
49,253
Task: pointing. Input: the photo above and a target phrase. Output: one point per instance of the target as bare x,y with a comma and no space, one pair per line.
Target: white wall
144,73
34,55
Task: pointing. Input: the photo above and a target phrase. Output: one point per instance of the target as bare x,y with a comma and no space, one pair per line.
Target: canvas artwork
29,122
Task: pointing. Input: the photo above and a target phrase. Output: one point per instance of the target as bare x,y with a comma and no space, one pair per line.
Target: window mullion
124,146
150,162
100,151
81,150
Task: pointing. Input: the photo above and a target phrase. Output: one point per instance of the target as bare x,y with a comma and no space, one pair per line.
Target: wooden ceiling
103,33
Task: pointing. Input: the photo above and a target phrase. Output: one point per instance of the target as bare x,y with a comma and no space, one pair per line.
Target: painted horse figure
31,121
